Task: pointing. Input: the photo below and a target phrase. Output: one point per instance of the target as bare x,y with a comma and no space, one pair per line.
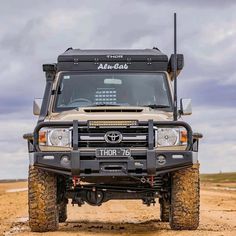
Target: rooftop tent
96,60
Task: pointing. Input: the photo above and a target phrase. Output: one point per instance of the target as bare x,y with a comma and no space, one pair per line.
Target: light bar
113,122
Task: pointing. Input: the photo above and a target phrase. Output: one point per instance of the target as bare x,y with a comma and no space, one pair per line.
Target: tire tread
42,200
185,199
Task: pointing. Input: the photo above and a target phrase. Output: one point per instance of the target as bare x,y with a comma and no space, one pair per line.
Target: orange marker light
42,137
183,136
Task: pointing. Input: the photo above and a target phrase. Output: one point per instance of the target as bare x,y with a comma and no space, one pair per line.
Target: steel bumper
84,164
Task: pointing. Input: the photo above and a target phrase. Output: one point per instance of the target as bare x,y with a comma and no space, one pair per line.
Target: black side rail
196,137
28,136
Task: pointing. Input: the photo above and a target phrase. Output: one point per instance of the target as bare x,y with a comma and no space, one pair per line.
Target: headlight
59,137
166,137
55,137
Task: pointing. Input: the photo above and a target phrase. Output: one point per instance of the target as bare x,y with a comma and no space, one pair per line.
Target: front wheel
42,200
185,199
62,210
164,210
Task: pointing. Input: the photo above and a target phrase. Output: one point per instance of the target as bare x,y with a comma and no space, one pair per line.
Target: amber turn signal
183,136
42,137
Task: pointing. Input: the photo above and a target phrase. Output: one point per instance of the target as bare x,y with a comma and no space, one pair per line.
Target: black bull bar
75,124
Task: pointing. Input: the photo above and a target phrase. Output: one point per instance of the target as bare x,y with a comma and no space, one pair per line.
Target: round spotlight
65,161
161,160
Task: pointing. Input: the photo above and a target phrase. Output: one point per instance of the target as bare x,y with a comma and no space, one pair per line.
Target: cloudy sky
36,32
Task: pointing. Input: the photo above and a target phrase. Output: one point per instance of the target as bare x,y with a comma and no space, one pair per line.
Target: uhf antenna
175,71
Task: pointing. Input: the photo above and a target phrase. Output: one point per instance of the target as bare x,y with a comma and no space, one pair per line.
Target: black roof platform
113,55
110,60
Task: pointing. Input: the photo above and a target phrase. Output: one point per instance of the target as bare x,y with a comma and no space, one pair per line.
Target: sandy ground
218,216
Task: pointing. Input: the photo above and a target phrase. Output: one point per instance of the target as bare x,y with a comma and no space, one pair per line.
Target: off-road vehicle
109,128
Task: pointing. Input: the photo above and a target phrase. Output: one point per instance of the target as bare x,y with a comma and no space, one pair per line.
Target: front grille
131,137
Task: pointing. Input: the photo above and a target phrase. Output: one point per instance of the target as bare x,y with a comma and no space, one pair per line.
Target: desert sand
218,215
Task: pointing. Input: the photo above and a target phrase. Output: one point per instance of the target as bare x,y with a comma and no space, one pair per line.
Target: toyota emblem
113,137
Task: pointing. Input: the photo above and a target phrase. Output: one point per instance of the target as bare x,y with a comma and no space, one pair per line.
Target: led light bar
113,122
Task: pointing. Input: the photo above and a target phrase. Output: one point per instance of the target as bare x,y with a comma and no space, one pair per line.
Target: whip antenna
175,71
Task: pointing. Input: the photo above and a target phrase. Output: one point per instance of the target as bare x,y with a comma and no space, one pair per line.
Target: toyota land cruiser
106,130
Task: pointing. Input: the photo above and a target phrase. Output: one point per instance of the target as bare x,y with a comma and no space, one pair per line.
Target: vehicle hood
112,113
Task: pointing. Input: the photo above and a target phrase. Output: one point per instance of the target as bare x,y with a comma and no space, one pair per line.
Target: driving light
65,161
59,137
161,160
167,137
113,123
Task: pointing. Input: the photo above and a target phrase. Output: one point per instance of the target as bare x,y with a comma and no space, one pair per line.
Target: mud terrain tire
42,199
164,210
62,209
185,199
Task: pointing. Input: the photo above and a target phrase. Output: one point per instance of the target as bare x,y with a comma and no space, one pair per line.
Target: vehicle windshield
112,89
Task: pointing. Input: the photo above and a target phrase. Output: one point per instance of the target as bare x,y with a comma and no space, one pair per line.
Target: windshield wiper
155,106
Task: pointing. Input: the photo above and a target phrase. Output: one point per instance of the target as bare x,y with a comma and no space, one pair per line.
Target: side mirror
37,106
180,62
185,106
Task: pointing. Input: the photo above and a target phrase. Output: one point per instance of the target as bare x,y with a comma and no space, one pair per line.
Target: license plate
113,152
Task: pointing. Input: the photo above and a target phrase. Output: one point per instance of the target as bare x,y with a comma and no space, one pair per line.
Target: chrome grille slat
101,138
101,141
136,136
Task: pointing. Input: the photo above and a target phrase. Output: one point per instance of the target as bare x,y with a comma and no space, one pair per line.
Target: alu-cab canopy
110,60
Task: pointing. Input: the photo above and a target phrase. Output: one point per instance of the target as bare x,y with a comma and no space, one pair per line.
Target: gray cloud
198,4
36,32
